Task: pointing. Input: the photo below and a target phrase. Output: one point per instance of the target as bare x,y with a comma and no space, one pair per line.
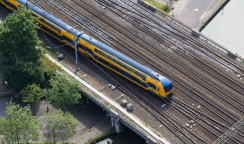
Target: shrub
167,9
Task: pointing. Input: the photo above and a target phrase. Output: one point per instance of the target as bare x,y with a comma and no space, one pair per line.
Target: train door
157,90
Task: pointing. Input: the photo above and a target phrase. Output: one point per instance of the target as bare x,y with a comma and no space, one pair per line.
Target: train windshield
168,88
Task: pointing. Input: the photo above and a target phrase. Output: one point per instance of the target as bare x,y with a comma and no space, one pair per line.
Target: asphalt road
194,11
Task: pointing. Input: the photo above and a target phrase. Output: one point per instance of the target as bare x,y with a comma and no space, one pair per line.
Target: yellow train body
65,36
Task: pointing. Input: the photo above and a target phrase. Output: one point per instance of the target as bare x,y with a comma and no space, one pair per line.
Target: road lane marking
203,15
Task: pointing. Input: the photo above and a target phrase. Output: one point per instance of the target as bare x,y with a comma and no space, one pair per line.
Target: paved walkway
194,11
91,121
95,131
86,117
178,6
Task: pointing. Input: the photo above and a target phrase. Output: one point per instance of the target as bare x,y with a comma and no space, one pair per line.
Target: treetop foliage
60,123
63,90
32,93
19,57
19,124
18,31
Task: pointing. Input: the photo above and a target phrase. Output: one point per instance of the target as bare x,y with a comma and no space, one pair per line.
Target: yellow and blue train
99,52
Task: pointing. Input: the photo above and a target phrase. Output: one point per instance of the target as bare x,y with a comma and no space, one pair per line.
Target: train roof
98,44
52,18
165,82
121,56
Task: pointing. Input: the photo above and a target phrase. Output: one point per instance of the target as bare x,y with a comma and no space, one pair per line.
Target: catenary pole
76,42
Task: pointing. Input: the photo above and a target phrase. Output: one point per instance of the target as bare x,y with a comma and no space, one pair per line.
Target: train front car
165,87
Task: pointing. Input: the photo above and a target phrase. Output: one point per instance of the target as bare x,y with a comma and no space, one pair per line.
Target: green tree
32,93
19,57
19,125
59,122
2,122
63,90
167,9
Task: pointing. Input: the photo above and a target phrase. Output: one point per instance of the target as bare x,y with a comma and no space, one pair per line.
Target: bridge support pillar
115,120
151,140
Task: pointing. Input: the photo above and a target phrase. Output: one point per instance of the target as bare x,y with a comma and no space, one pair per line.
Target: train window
128,68
117,69
96,57
101,60
105,62
122,72
133,78
154,87
95,50
144,78
145,85
116,61
90,51
168,88
133,70
70,41
111,66
138,81
158,88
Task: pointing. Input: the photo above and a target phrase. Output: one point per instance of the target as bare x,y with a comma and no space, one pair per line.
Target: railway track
130,89
167,42
170,123
215,127
144,105
185,38
226,97
174,122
